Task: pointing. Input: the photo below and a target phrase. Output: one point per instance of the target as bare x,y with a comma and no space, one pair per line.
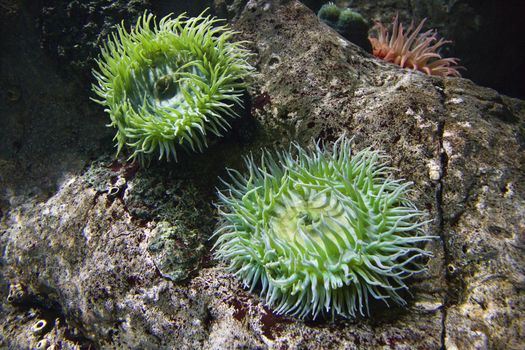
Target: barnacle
413,49
168,84
320,232
39,326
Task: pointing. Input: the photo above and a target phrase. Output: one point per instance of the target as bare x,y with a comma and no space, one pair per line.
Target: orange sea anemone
413,50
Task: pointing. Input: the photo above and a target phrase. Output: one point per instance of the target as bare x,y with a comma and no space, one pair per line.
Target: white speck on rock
428,305
447,146
456,100
434,170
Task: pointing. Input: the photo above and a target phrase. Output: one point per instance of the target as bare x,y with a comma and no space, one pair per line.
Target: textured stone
72,30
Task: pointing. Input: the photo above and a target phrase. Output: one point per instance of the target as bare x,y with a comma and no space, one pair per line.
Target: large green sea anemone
320,232
169,84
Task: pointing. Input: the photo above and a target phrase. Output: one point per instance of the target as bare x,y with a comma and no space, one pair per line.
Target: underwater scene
262,174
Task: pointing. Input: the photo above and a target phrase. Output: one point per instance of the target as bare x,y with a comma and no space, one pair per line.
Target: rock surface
92,259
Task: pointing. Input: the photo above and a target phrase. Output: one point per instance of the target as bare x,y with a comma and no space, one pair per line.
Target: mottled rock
484,218
73,30
48,128
91,261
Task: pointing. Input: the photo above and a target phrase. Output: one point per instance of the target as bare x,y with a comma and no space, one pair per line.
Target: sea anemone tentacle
167,84
320,231
412,49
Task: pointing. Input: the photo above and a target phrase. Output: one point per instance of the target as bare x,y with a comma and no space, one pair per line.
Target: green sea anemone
350,24
329,12
170,83
320,232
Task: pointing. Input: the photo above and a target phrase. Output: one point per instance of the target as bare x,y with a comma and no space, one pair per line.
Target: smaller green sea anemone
350,24
169,84
329,12
320,232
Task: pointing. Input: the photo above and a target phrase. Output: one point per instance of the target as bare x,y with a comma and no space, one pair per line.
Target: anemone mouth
309,221
322,232
169,84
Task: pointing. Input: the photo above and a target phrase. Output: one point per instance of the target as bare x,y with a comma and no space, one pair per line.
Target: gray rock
89,259
71,31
